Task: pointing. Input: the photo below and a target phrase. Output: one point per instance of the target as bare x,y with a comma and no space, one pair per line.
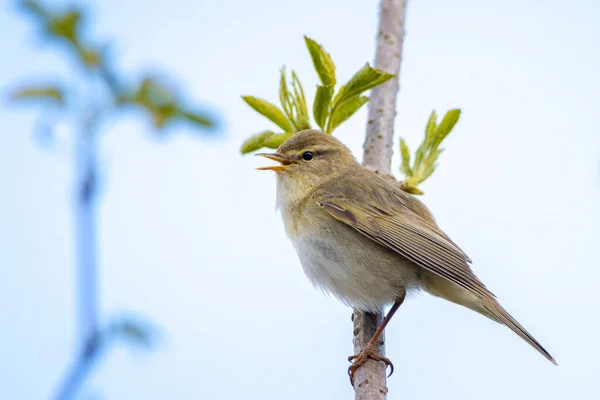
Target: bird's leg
367,352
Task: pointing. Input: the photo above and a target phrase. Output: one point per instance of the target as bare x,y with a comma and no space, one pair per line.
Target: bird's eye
307,156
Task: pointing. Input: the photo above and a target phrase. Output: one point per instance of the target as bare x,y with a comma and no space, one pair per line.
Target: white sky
189,236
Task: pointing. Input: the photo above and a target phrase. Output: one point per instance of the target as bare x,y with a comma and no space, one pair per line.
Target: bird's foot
359,359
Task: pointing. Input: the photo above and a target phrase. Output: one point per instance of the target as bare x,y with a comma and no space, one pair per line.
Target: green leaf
428,152
430,129
267,139
366,78
198,119
418,158
270,111
432,158
66,25
162,114
427,173
156,92
322,61
302,123
302,120
299,94
345,110
53,94
408,188
405,153
255,142
284,95
275,140
446,126
321,105
411,189
90,57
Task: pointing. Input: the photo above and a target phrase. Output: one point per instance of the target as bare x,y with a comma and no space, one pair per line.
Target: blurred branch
81,368
133,331
163,105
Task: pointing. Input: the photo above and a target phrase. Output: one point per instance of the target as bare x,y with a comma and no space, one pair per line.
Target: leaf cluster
65,26
427,154
162,103
330,109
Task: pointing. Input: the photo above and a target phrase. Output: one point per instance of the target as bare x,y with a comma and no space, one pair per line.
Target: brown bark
370,378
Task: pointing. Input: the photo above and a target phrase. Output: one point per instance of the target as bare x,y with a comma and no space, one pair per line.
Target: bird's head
308,159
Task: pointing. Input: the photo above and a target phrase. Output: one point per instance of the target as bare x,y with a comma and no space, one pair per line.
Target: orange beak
275,157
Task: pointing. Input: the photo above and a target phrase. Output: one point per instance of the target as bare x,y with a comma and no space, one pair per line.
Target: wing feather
406,233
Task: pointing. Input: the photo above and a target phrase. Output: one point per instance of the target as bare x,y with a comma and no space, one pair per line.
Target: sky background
189,236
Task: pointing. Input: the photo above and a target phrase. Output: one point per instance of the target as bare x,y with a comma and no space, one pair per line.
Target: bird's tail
495,311
488,307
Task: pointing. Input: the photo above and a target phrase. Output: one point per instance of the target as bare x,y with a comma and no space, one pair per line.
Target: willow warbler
364,240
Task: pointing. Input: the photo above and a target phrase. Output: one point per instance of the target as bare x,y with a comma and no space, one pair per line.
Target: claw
362,357
389,364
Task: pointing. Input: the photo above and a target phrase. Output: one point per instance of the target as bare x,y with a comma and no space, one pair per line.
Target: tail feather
488,307
502,316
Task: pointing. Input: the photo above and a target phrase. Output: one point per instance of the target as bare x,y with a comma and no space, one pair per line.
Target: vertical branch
86,262
85,234
370,379
66,27
382,106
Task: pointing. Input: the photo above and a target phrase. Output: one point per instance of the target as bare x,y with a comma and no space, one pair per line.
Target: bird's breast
341,261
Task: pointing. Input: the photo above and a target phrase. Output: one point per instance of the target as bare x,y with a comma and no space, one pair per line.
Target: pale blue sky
189,236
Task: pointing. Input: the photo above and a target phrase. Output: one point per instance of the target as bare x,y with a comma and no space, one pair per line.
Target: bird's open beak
275,157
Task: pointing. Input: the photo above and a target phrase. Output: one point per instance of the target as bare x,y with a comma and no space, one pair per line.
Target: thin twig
78,373
85,232
370,379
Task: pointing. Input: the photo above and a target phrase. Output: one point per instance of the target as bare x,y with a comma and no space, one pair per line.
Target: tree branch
370,379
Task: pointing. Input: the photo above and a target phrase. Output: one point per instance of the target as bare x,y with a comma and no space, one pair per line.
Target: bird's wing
403,224
396,225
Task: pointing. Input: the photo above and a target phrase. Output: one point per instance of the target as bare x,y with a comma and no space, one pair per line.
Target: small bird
361,238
